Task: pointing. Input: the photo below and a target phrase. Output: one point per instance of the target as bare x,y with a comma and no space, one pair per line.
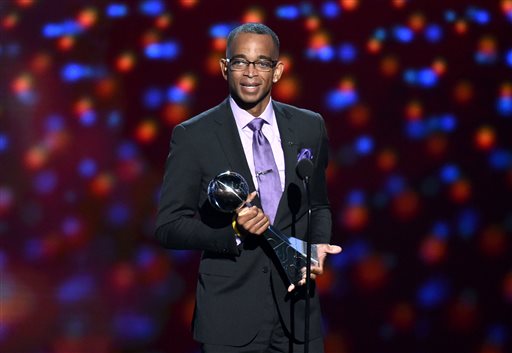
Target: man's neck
255,109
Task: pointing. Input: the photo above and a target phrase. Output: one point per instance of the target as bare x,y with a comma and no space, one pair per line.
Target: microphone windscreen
305,168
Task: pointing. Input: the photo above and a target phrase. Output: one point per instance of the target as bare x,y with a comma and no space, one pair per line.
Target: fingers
251,196
333,249
302,281
249,199
316,270
252,220
328,249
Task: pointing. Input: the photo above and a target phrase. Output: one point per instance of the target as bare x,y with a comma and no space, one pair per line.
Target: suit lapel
229,139
289,145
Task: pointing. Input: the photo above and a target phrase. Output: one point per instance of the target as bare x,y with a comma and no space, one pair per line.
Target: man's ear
224,68
278,71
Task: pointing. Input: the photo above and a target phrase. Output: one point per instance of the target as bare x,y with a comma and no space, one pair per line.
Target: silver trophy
228,191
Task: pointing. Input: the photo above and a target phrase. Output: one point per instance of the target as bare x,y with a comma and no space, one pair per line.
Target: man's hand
251,219
322,251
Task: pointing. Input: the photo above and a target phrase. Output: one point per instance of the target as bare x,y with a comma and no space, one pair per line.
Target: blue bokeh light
165,50
114,119
66,28
288,12
500,159
54,123
127,150
478,15
364,145
338,100
176,95
504,106
220,30
347,52
486,58
116,10
425,77
450,16
450,173
75,289
416,129
145,256
433,33
433,293
508,57
45,181
331,9
447,122
395,184
118,213
33,249
153,98
441,230
73,72
497,334
325,53
134,327
71,226
468,222
380,34
356,198
88,118
87,168
152,7
403,34
4,142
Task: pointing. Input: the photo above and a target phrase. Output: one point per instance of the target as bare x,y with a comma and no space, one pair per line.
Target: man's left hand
322,251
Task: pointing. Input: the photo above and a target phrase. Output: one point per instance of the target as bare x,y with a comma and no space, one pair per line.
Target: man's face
251,87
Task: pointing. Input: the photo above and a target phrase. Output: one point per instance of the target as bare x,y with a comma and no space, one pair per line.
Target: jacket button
264,269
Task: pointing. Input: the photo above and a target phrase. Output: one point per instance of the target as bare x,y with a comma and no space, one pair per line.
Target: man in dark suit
243,302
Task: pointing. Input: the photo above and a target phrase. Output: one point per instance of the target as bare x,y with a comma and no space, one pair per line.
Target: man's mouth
249,85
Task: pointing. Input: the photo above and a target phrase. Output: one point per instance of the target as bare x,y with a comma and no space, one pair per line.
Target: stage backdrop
417,98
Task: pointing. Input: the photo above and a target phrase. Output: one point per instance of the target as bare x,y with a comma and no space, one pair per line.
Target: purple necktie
266,170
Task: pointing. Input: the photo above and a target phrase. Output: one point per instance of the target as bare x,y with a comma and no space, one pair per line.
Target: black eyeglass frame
248,62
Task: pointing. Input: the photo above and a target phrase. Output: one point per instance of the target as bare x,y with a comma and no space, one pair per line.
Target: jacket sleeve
321,218
178,223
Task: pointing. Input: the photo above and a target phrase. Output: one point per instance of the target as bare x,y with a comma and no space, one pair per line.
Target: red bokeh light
371,273
433,250
355,217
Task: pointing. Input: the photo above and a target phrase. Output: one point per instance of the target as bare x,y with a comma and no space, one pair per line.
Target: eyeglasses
239,64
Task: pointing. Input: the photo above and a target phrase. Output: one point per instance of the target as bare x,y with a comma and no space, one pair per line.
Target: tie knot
256,124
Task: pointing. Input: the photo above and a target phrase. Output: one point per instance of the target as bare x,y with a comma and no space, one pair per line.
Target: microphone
305,168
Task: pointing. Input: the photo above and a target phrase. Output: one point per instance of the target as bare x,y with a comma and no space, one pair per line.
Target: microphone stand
308,266
305,171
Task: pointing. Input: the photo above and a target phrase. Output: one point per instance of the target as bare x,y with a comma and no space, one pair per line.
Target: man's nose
251,70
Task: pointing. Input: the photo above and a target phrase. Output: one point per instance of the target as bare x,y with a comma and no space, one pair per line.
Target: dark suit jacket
233,280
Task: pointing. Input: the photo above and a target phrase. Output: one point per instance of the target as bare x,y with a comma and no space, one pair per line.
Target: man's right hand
251,219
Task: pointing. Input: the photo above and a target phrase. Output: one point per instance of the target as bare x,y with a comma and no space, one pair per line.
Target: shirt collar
242,117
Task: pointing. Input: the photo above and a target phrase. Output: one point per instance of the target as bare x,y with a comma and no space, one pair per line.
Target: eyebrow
242,56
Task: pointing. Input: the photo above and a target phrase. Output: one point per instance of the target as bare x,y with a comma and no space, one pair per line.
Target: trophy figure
228,191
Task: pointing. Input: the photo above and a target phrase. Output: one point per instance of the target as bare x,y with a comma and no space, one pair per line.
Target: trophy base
291,253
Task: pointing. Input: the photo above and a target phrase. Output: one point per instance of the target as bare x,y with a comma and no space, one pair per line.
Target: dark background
417,98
